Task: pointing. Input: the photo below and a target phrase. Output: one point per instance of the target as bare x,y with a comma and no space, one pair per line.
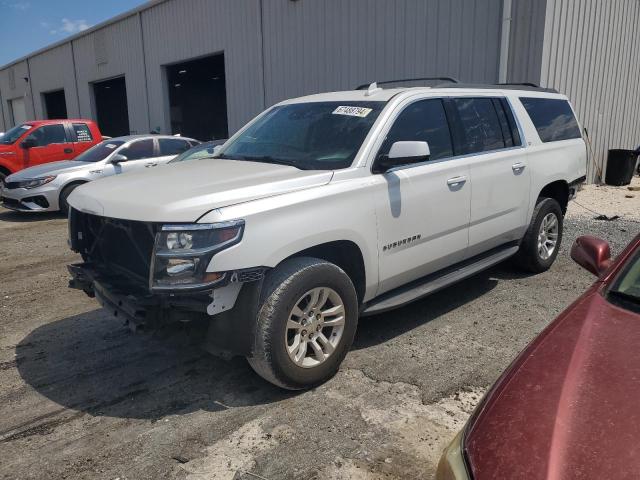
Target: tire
292,284
66,191
531,256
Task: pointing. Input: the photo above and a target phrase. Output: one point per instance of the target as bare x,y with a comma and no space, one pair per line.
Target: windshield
195,153
626,287
100,151
308,136
14,134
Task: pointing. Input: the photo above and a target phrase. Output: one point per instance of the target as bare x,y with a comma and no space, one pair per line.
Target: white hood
184,191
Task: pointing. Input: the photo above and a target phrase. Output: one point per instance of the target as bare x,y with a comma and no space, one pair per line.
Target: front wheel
306,323
64,195
540,245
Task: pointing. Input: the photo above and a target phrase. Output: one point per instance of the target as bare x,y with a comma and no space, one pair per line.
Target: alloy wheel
548,236
315,327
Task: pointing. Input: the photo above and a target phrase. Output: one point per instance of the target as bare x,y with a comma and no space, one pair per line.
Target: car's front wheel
306,323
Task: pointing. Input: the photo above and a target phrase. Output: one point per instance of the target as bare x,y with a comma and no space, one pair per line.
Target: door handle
518,167
151,165
68,150
455,181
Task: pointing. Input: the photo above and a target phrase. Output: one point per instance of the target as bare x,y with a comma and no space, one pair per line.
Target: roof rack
365,86
532,87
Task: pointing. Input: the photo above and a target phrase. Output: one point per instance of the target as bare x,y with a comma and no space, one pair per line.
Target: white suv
329,207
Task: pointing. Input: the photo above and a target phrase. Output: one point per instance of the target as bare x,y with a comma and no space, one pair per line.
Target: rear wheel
540,245
66,191
306,323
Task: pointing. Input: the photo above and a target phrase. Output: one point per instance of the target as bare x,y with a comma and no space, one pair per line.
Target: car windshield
14,134
626,287
195,153
308,136
100,151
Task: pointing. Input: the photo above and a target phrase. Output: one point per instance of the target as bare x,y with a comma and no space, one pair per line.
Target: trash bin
620,166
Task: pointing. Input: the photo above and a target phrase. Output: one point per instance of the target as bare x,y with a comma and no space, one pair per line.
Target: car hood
53,168
568,406
184,191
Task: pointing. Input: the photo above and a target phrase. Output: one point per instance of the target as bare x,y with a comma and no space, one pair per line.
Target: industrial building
202,68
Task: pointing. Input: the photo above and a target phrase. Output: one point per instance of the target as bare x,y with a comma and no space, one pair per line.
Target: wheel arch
76,182
346,254
559,191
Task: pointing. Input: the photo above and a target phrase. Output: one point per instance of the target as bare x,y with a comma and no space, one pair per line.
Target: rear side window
422,121
83,133
172,146
480,125
48,134
138,150
553,118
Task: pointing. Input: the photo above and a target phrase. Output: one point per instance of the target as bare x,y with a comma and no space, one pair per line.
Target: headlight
452,464
182,253
35,182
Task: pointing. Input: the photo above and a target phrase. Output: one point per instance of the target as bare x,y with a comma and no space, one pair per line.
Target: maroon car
568,407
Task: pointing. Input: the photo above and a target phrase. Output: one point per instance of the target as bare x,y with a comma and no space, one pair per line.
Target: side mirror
403,153
28,143
591,253
117,158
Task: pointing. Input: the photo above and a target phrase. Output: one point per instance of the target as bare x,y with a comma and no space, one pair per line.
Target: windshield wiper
263,159
625,296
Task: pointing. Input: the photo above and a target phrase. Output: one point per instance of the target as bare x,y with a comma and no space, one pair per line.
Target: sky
28,25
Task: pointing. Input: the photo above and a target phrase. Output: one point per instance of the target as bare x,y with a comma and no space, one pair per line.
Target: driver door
51,145
139,155
423,210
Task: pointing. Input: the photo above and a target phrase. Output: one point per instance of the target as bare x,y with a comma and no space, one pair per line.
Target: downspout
33,103
504,41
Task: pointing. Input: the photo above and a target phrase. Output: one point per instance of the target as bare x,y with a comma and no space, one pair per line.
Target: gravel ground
82,397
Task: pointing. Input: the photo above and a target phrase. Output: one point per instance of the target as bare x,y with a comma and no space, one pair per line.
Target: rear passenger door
489,139
82,137
169,148
422,209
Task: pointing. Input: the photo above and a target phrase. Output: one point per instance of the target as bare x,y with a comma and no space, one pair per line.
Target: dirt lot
82,397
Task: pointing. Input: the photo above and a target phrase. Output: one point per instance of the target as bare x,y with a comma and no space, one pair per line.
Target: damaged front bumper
229,310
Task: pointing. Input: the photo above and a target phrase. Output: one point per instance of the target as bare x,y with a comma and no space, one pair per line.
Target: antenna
372,89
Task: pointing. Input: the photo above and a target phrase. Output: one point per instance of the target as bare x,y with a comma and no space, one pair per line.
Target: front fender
279,227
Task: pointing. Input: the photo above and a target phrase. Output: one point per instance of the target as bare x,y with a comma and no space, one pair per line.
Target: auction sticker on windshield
352,111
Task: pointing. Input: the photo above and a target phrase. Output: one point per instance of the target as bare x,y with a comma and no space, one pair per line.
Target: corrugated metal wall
113,51
181,30
12,85
592,54
526,40
53,70
314,46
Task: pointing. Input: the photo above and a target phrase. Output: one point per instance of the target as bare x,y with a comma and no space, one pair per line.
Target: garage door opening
198,98
55,105
111,107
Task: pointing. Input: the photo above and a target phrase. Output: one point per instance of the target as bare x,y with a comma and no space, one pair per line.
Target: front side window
553,118
308,136
138,150
422,121
625,290
172,146
49,134
83,133
480,125
13,134
100,151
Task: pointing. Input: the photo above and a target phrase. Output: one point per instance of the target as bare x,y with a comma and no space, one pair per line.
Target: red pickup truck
43,141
